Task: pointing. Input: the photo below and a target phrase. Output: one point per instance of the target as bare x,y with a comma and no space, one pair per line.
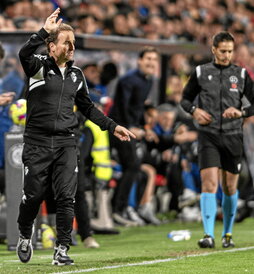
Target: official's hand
123,133
51,24
232,113
202,117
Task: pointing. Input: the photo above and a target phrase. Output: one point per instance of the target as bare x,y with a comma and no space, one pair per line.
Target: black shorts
220,150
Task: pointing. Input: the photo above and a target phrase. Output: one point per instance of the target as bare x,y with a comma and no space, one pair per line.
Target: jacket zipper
220,100
59,106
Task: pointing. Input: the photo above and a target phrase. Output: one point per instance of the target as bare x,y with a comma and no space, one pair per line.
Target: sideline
155,261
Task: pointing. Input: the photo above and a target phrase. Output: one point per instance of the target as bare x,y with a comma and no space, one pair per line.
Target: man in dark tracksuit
131,93
220,87
50,153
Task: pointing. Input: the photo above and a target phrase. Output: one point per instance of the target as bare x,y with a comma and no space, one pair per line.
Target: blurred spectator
169,164
6,98
243,57
97,80
146,210
174,89
42,8
92,74
14,9
134,25
13,79
28,23
120,25
179,20
95,173
11,86
131,92
179,65
6,24
246,191
88,24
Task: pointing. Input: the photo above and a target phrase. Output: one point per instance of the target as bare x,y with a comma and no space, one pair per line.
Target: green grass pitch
147,250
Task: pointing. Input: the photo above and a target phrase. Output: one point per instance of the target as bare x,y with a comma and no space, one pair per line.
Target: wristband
192,109
244,114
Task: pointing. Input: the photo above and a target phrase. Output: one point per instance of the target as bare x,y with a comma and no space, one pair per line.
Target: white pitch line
37,256
155,261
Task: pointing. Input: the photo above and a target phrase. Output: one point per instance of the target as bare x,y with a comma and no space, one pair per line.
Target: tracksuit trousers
45,168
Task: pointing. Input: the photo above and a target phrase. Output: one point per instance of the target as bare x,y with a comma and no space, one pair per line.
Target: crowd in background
175,164
174,21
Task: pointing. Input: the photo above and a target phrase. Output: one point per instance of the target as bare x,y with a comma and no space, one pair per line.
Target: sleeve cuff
112,127
43,33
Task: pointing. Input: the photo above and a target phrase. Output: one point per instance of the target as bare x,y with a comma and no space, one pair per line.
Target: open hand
123,133
232,113
51,24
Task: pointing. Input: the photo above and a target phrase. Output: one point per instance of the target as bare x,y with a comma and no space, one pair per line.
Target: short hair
165,107
88,65
223,36
149,106
146,49
53,36
2,51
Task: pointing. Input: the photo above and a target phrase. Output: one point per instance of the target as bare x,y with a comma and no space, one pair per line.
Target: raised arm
30,61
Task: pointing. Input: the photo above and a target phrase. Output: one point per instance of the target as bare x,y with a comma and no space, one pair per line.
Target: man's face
63,49
166,120
149,63
151,116
92,74
223,53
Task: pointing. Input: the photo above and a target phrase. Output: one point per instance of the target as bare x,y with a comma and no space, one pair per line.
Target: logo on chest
74,77
233,82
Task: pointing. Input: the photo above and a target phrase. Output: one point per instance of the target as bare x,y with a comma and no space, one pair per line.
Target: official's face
223,53
63,49
148,63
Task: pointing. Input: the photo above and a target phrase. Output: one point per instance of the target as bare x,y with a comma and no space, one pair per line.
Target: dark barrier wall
13,181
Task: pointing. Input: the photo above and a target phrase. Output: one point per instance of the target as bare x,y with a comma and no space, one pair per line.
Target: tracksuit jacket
51,98
217,88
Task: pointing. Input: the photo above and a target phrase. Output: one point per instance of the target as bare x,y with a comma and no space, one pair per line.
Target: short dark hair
2,51
88,65
53,36
223,36
146,49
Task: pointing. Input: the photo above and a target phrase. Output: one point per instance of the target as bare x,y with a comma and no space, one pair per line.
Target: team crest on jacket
74,77
233,80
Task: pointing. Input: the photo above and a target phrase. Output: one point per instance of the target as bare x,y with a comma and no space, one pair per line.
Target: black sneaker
60,256
24,249
227,240
206,242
